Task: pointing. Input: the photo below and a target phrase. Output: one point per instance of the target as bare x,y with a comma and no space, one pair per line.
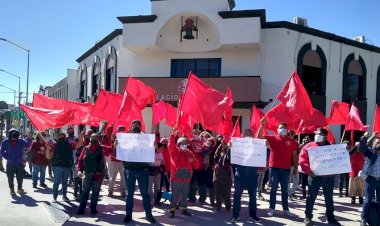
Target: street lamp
27,70
19,93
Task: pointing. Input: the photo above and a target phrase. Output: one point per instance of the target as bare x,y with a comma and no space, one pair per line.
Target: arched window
378,87
96,75
311,67
83,83
354,79
111,66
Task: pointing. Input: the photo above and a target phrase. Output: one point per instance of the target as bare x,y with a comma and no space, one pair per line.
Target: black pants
165,182
77,187
343,178
19,171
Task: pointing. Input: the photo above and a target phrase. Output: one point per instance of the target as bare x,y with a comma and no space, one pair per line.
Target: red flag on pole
171,115
129,111
236,132
310,124
107,106
141,93
353,120
159,111
256,117
42,118
295,97
278,114
338,113
203,103
376,122
226,125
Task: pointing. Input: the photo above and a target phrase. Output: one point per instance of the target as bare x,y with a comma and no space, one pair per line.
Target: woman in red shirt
38,150
356,184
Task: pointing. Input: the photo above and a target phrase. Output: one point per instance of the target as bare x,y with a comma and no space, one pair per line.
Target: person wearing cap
315,182
116,167
182,163
137,171
62,162
40,162
91,167
12,150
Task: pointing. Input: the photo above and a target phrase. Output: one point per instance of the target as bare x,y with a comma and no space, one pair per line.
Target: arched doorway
95,81
311,67
83,83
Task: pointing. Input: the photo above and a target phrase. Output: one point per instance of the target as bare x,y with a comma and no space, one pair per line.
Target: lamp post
19,93
27,70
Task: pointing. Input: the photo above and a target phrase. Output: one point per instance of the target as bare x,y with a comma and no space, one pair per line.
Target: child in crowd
155,170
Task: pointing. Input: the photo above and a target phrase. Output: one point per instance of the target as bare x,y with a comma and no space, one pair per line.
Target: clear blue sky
58,32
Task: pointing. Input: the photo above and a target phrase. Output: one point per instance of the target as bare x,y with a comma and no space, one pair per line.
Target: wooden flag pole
344,133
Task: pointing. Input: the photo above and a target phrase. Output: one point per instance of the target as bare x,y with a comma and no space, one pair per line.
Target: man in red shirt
283,150
315,182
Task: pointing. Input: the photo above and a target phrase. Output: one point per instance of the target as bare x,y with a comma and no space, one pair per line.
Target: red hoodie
181,167
196,148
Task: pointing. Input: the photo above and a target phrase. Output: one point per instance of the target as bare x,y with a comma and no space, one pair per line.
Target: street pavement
36,208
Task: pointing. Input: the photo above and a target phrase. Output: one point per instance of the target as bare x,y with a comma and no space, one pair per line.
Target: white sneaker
289,214
270,213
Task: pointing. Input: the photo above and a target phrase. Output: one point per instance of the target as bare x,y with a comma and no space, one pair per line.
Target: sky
58,32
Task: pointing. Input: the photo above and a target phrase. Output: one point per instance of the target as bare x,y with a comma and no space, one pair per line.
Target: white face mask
282,131
318,138
195,137
183,147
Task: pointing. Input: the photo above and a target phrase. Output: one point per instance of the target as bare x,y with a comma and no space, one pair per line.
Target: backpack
374,214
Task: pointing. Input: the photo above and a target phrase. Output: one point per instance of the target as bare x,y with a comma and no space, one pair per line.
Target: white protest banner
329,159
135,147
249,152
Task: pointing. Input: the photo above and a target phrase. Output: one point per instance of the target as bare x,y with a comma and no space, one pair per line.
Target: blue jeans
142,177
38,169
61,174
371,185
327,184
245,177
279,176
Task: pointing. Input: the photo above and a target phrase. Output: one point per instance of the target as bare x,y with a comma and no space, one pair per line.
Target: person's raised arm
262,125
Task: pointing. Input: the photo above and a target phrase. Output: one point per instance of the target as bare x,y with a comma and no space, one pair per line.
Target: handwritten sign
135,147
249,152
329,159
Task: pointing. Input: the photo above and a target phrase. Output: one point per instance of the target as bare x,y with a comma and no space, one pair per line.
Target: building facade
229,48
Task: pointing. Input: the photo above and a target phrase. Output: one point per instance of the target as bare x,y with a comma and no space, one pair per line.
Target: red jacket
181,167
39,156
166,155
196,148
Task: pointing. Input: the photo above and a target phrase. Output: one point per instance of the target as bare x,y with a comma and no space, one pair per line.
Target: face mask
318,138
195,137
183,147
136,130
282,131
94,142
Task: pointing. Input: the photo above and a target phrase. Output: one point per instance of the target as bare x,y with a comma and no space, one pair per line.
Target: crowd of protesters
185,166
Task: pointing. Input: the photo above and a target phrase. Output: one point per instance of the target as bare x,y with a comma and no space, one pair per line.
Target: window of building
96,73
110,75
83,84
208,67
354,86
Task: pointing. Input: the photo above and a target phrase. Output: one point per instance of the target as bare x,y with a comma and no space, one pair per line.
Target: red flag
256,117
81,111
226,125
43,118
330,136
203,103
159,111
376,122
129,111
295,97
236,132
353,120
309,124
278,114
171,115
338,112
107,106
141,93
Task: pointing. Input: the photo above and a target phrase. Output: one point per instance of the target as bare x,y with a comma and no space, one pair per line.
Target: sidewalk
36,208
